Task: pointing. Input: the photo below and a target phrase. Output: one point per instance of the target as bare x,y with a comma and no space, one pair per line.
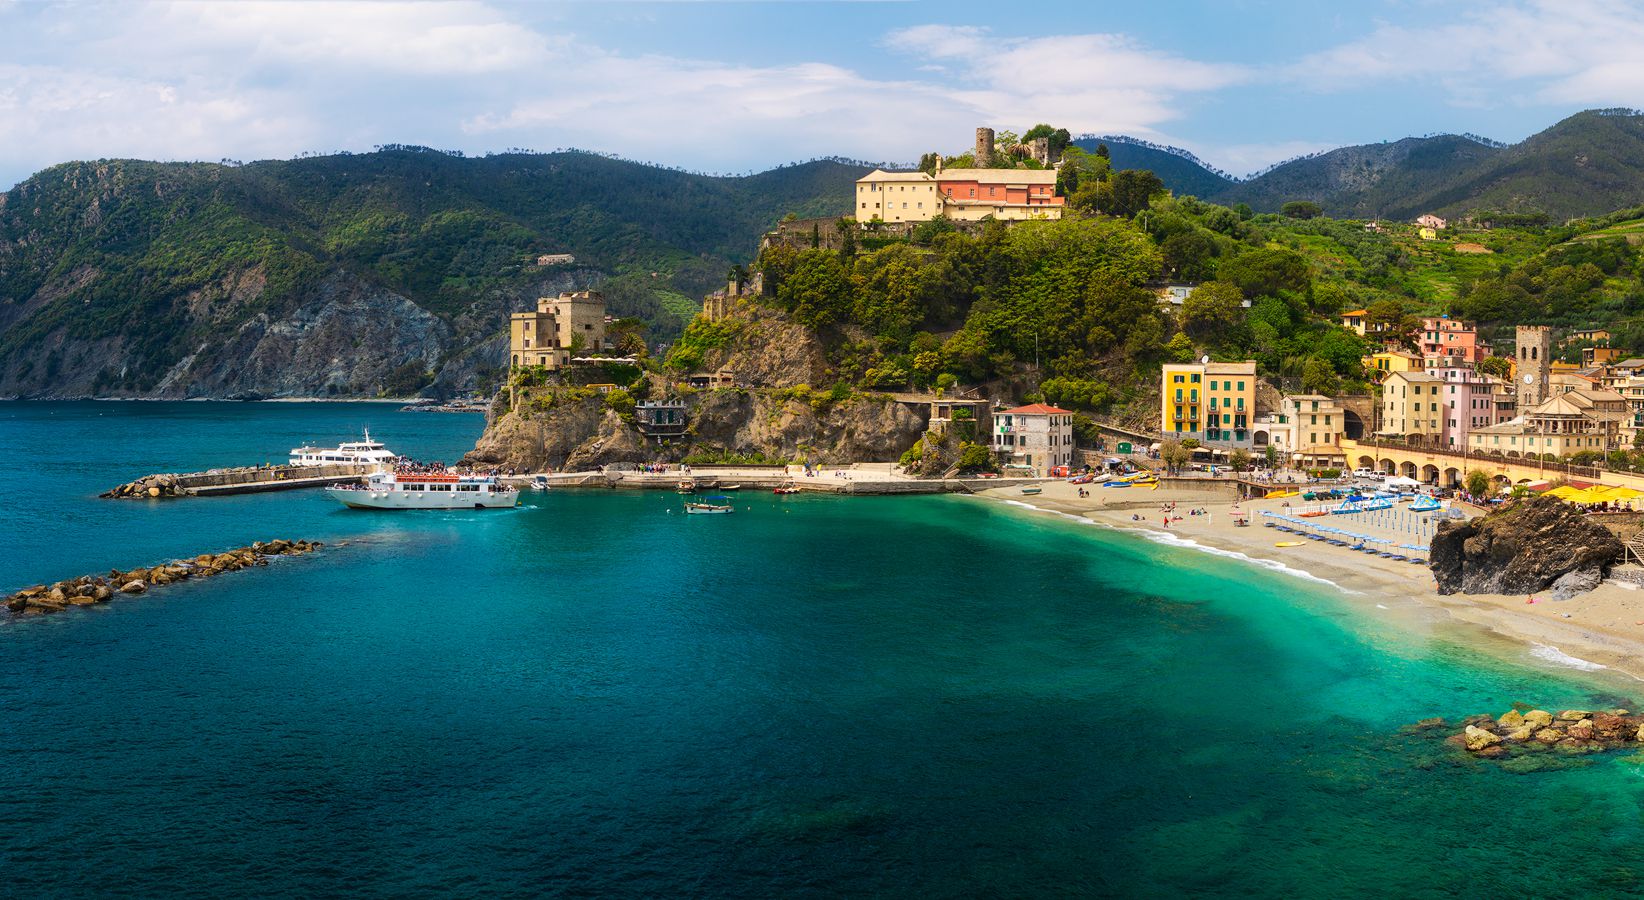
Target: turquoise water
816,696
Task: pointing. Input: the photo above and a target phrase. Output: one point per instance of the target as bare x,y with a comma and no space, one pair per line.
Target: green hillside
158,261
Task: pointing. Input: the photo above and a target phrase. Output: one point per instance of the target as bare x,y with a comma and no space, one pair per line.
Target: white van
1368,473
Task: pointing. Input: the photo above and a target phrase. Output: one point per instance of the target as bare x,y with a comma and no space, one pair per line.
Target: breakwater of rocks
1569,732
89,589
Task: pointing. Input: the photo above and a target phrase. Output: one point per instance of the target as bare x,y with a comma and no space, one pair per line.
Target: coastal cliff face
1534,545
341,337
570,432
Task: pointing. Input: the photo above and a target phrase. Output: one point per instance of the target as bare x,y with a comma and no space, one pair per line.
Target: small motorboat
1033,489
786,488
730,487
687,486
539,482
715,505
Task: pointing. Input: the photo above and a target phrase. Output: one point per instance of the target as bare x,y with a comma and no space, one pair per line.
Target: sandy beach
1604,627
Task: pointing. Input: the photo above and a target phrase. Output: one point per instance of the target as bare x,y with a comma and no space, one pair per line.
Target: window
1177,379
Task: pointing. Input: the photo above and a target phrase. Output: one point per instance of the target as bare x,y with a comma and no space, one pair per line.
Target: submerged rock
1529,546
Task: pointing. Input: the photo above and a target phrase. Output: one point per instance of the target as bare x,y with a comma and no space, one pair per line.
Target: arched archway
1499,481
1367,462
1352,425
1260,438
1429,474
1452,477
1387,467
1408,469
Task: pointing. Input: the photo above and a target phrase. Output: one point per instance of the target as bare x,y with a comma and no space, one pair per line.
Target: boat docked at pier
392,490
357,453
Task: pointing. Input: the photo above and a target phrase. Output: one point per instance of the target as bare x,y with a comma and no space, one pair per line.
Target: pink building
1447,338
1468,400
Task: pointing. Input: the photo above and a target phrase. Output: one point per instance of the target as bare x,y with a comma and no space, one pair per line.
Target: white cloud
1586,52
424,38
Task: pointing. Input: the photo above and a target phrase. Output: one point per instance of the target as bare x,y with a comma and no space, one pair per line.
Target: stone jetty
238,480
1518,733
89,589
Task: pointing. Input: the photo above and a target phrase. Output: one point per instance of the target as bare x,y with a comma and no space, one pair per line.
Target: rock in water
1524,548
1512,720
1478,738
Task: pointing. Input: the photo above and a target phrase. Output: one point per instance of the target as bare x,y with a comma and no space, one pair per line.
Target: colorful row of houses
1436,399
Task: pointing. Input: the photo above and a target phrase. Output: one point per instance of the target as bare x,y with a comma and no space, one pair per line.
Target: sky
744,86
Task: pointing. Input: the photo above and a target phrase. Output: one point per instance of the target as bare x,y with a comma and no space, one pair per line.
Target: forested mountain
353,274
1364,182
1179,171
1586,165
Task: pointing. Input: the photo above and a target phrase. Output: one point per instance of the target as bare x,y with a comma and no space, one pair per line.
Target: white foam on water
1559,657
1379,606
1172,540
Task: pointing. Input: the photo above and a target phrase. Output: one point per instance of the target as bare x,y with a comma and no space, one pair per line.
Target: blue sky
739,86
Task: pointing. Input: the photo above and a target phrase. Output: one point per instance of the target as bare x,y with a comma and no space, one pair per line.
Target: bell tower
1534,346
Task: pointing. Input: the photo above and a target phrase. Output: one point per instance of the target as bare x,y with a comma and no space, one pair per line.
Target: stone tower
1534,346
984,147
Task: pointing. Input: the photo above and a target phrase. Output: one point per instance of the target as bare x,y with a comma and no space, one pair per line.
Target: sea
595,695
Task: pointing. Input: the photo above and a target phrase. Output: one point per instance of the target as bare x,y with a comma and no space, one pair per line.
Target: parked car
1371,474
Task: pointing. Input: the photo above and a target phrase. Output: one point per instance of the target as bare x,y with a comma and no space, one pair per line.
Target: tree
927,163
1180,348
1212,308
1188,254
1319,377
1301,209
1271,456
1102,151
1478,483
1132,191
976,458
1266,272
1240,459
1174,455
818,292
1500,367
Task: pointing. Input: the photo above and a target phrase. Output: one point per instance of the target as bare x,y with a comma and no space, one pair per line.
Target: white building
1034,435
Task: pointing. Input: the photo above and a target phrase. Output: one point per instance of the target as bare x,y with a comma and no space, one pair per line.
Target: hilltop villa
547,337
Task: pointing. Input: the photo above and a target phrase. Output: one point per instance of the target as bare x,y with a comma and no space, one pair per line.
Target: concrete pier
241,480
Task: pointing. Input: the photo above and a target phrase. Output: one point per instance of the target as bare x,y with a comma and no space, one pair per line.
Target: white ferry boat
360,453
387,490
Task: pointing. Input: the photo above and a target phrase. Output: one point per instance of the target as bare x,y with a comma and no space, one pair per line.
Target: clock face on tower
1529,379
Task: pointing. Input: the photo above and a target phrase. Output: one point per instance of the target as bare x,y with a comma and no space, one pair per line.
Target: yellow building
1213,403
1429,234
1411,407
897,197
1386,362
1354,319
967,195
572,323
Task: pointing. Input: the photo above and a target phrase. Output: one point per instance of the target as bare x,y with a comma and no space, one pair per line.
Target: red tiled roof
1036,409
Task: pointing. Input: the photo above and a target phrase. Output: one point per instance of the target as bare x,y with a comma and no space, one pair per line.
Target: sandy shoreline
1603,628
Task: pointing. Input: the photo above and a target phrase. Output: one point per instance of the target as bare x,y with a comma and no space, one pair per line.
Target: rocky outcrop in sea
1542,544
91,589
1520,733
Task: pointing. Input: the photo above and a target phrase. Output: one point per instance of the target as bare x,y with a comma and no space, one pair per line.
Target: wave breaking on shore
1173,540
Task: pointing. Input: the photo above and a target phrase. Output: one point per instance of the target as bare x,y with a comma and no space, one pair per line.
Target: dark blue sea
593,695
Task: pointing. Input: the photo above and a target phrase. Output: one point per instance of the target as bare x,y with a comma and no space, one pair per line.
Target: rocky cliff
1535,545
571,429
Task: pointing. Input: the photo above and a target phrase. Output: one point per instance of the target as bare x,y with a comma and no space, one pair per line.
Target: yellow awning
1563,493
